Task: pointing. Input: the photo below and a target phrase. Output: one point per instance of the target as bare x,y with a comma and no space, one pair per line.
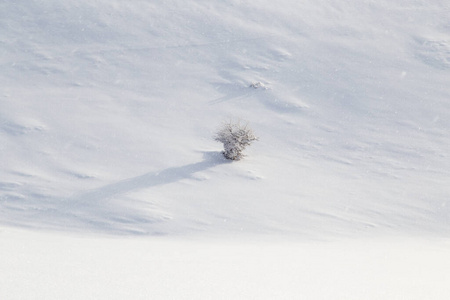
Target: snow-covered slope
108,110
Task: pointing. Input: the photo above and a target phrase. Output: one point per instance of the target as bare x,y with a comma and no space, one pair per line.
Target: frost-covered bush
235,137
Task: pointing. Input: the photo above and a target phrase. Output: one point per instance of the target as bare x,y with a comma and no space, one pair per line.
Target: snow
140,268
108,109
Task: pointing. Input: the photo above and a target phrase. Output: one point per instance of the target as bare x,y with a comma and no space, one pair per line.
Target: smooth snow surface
123,268
108,109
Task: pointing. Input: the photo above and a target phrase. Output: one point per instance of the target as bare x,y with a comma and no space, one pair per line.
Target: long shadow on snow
108,209
169,175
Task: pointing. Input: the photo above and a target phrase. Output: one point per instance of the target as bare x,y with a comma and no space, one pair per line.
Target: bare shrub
235,137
